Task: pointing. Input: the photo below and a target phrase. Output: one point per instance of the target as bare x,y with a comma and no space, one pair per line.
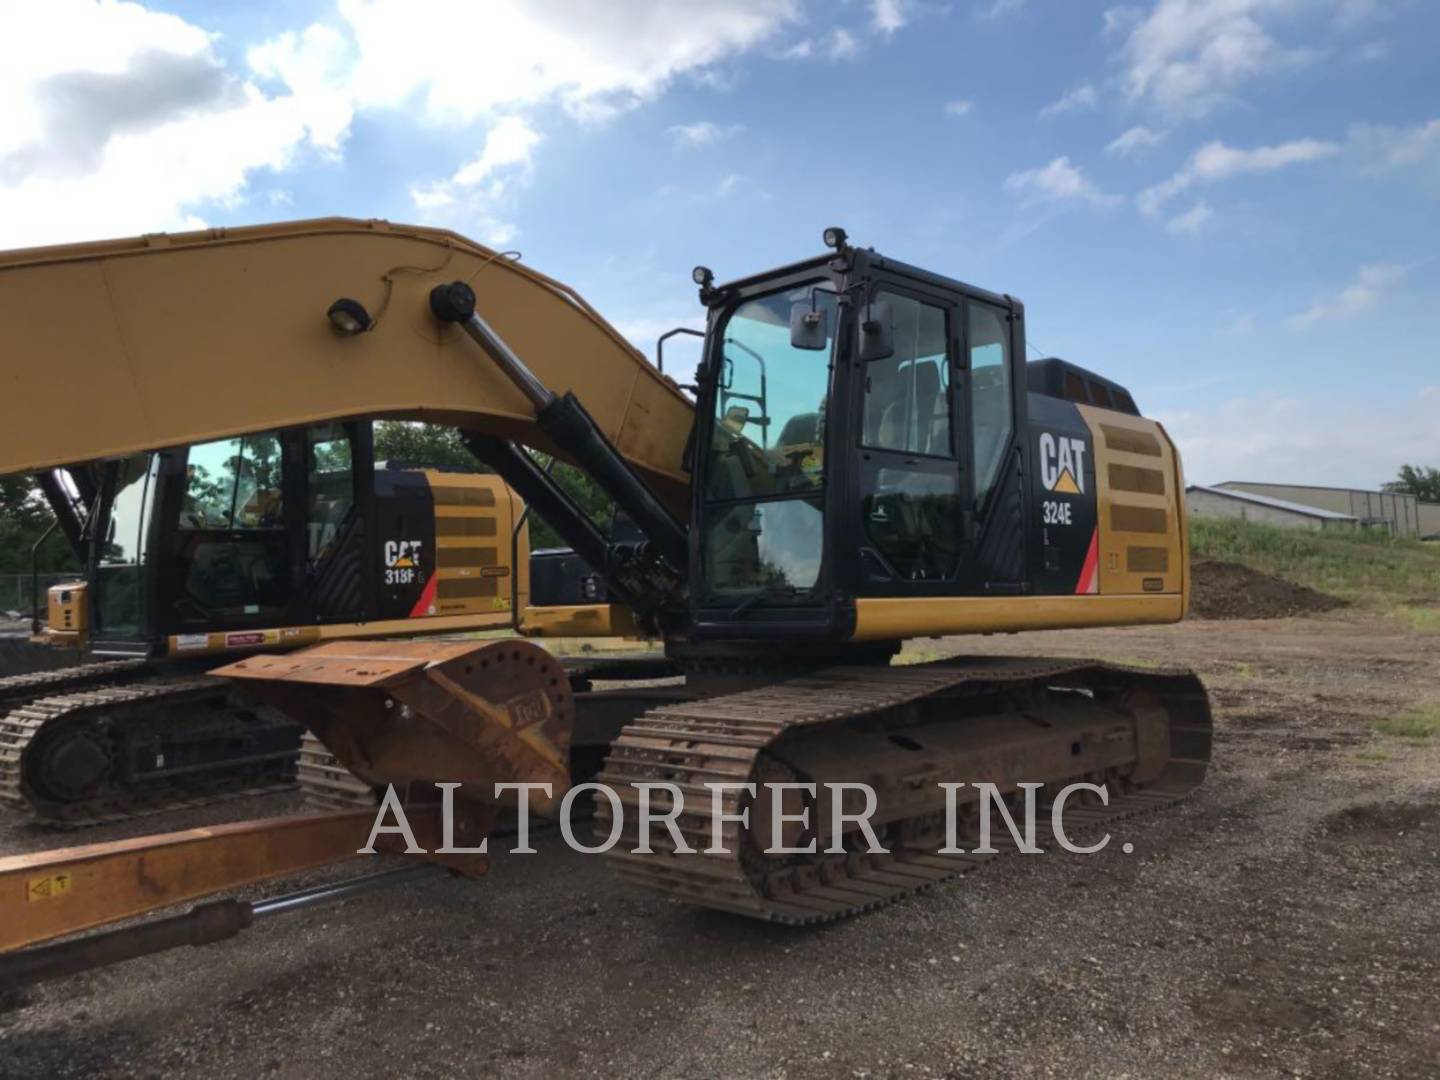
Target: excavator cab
879,460
858,471
267,538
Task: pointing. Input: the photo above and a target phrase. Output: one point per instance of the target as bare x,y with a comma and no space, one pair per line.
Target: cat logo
1062,464
402,554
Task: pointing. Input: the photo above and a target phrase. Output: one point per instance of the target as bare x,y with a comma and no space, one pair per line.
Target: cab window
233,484
907,396
330,487
989,394
910,480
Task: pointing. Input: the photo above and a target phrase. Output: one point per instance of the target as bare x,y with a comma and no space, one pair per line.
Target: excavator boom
181,338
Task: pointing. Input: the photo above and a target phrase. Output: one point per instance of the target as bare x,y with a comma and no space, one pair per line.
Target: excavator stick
414,714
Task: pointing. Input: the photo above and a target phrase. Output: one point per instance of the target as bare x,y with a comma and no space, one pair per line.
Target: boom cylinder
565,420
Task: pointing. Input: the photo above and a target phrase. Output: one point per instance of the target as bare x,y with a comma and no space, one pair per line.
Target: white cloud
958,108
123,120
1187,57
1379,147
1135,141
801,50
1057,182
887,16
1120,20
841,44
702,133
1302,440
581,55
480,185
1216,161
838,44
1360,295
1192,221
1084,96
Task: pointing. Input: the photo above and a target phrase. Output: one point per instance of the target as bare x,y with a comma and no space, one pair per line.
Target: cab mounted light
835,237
349,317
703,277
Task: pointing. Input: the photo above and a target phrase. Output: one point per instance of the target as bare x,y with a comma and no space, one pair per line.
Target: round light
702,276
349,317
834,237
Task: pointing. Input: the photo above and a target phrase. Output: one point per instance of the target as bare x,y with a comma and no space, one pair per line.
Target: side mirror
877,332
736,417
807,326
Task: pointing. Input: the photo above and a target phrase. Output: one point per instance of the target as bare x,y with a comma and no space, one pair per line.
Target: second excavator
864,457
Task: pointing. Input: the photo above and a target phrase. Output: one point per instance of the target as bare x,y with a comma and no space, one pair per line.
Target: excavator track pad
1142,735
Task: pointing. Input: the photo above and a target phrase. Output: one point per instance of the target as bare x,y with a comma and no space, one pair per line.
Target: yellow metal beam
54,893
164,341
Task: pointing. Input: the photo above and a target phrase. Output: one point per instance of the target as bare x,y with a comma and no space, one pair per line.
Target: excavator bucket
414,714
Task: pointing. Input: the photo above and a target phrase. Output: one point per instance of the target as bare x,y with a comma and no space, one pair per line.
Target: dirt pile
1224,590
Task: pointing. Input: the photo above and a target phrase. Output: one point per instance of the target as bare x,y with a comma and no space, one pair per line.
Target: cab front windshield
766,469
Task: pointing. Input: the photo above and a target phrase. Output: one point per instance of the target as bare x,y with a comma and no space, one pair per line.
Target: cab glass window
234,484
769,433
907,395
120,580
330,487
989,396
769,546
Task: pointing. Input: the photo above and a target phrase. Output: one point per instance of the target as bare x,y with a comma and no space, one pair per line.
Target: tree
423,445
1418,480
24,517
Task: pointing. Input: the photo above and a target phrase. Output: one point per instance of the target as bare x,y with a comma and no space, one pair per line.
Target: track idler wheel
72,765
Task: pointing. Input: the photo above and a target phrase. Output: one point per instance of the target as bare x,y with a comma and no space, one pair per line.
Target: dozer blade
413,714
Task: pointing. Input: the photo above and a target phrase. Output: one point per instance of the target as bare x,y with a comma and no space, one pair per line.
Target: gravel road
1281,922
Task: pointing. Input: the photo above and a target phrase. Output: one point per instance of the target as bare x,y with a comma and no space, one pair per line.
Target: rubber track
722,738
20,726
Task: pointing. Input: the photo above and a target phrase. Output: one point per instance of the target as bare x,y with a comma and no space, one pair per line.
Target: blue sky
1228,205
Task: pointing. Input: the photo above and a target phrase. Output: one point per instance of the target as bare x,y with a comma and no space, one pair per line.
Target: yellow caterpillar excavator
275,539
864,457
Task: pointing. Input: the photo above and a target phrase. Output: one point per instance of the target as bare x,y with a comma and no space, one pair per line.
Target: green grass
1424,619
1422,723
1363,566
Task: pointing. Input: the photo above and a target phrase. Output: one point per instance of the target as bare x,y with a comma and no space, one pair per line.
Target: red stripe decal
427,599
1089,578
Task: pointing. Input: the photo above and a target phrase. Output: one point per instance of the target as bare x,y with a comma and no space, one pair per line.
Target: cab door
911,469
333,479
229,555
990,395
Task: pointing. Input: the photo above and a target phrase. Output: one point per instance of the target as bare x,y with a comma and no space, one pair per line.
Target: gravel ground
1281,922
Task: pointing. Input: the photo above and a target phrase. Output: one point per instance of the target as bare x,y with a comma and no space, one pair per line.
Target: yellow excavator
864,456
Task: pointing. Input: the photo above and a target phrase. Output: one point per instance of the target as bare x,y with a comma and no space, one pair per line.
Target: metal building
1399,513
1205,501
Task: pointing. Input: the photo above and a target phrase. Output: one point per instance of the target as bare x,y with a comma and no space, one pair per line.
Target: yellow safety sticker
47,888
